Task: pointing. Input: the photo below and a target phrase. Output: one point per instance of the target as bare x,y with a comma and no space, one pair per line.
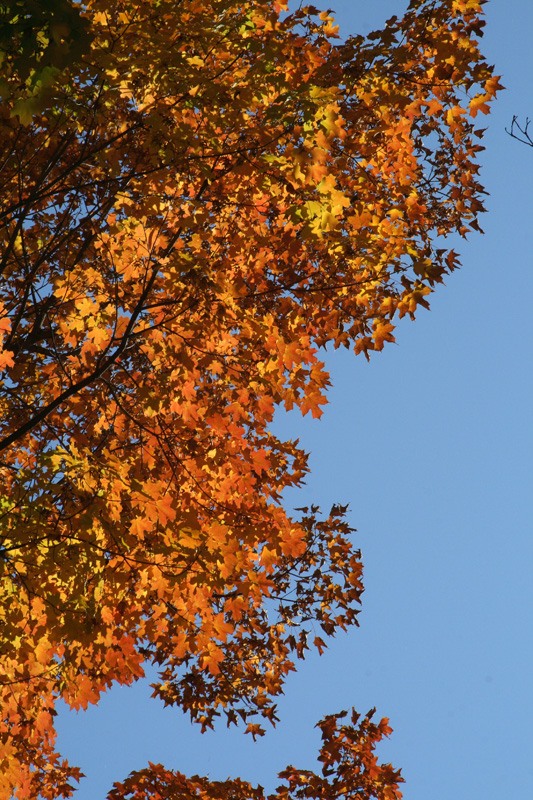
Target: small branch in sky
520,132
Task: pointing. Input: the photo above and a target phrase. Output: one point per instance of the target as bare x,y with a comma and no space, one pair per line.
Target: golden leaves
236,194
479,103
382,333
347,753
6,356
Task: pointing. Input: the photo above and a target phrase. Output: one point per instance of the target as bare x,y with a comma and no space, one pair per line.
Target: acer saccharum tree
197,198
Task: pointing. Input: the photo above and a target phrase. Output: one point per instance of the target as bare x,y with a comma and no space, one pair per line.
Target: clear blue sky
430,444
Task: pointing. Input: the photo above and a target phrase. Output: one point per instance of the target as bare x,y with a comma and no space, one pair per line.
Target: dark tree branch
523,134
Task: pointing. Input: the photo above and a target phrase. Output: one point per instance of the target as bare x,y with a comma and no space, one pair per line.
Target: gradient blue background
430,444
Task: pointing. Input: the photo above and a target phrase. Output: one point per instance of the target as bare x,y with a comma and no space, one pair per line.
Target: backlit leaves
191,210
350,768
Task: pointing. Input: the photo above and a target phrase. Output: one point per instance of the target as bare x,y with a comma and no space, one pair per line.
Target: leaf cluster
200,202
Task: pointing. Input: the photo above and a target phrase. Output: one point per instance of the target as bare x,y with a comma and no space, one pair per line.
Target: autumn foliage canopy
196,198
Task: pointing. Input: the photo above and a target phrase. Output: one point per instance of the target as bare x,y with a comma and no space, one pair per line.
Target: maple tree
38,38
193,205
